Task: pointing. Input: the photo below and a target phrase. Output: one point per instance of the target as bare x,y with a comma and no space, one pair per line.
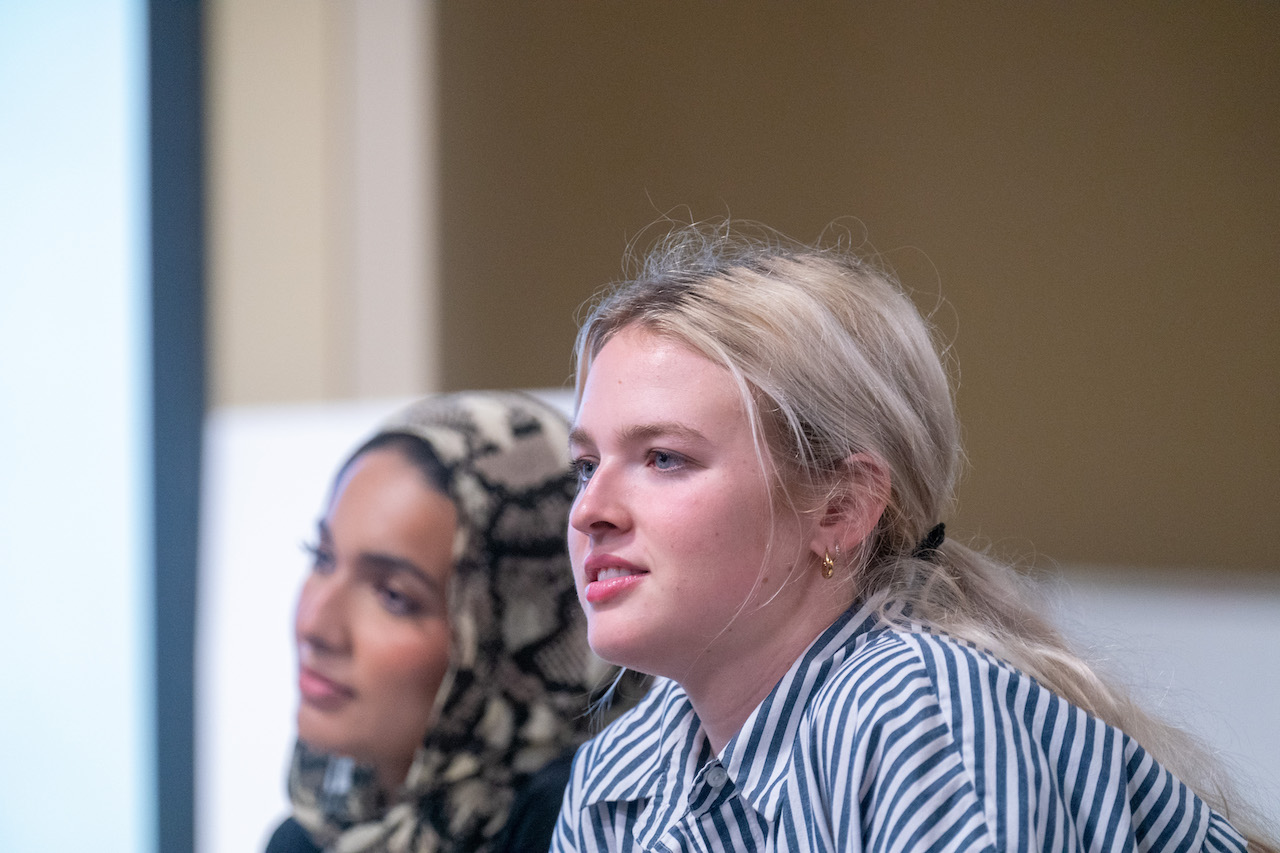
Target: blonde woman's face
678,559
372,625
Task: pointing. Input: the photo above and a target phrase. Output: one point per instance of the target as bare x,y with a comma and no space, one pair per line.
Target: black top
290,837
537,806
528,829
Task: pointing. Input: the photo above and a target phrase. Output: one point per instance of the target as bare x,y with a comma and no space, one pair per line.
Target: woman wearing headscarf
444,675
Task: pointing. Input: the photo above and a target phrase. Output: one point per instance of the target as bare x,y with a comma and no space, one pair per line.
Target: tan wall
1093,189
271,200
322,186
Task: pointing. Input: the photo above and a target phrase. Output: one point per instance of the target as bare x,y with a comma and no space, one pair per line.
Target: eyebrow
641,432
390,564
387,563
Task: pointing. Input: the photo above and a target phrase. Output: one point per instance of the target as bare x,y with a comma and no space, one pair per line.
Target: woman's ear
854,508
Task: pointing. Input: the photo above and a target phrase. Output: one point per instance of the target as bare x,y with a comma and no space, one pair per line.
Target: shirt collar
669,738
759,757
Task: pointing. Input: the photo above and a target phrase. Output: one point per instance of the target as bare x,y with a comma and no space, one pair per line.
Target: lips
320,691
609,577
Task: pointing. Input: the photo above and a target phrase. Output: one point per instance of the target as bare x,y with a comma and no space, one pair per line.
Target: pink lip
600,591
322,692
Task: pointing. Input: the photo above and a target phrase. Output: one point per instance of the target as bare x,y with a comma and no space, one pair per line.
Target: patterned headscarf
520,676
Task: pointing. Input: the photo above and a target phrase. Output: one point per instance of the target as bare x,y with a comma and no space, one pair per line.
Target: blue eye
666,461
583,469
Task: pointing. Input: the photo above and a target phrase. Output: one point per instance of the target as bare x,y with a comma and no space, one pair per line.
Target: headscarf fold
521,675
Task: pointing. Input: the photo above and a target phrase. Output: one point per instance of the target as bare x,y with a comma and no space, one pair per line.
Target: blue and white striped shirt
880,740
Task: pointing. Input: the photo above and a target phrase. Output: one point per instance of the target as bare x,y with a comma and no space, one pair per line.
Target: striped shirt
881,740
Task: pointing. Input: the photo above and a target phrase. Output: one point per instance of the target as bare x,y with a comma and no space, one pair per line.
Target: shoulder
884,672
906,697
881,700
290,837
896,670
885,725
913,718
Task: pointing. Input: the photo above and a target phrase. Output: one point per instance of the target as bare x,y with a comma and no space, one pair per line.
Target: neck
729,682
391,776
725,698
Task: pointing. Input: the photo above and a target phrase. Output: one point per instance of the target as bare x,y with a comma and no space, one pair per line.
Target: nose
600,506
321,618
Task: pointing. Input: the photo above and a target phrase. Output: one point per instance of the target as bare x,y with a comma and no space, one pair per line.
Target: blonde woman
767,450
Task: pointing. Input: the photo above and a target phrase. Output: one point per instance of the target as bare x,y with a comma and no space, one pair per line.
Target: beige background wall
322,188
1092,189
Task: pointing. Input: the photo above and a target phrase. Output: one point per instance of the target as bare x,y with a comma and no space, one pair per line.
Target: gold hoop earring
828,565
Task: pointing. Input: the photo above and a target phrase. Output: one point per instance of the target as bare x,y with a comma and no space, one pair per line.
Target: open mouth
608,577
615,572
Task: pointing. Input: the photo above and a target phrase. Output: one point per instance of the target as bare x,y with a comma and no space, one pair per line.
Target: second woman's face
679,561
372,623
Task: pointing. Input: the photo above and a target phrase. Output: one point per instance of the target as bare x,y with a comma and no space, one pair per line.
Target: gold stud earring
828,565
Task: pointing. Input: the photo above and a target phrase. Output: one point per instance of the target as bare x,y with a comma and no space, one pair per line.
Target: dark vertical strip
177,301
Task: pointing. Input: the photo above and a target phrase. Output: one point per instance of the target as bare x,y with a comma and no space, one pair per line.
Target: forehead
641,377
385,486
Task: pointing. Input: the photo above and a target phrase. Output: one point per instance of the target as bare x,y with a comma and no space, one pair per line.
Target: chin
320,736
626,649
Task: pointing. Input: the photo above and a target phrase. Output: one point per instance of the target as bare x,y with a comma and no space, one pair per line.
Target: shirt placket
711,790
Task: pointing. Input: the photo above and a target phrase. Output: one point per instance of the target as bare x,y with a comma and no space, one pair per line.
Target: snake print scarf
521,675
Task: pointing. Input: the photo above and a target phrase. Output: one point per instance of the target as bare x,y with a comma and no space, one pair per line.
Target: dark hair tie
930,544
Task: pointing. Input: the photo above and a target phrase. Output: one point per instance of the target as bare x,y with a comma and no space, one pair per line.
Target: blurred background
309,211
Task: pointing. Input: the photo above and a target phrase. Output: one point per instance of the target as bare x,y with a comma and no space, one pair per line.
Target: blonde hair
832,358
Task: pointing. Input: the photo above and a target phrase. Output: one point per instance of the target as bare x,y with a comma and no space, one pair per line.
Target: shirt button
716,776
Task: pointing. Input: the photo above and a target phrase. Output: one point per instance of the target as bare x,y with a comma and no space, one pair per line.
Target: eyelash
580,472
320,556
677,460
584,468
396,602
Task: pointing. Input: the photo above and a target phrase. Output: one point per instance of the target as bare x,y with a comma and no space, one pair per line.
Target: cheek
729,538
411,665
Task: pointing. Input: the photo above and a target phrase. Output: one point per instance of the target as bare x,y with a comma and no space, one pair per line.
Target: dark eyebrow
641,432
391,565
387,563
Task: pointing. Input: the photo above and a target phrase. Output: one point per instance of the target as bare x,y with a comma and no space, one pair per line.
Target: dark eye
397,602
321,558
583,469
